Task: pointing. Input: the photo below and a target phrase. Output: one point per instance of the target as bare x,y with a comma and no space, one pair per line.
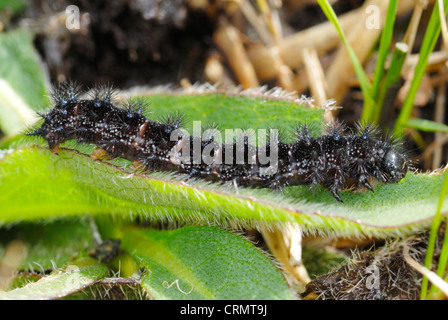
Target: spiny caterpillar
335,160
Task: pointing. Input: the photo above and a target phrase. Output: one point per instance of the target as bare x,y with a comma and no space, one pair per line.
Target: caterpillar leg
334,192
138,167
55,149
336,185
364,181
100,154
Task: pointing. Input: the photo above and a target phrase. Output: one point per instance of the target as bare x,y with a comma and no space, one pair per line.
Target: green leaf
62,282
427,125
22,87
72,184
232,111
36,184
228,110
14,5
433,237
203,263
318,261
49,244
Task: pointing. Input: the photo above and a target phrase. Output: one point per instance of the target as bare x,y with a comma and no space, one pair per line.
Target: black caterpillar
336,160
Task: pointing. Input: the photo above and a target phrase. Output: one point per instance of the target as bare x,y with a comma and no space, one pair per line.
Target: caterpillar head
56,127
394,165
58,123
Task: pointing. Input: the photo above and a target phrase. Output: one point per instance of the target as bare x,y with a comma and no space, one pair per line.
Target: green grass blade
427,125
368,114
366,86
443,261
433,235
429,41
393,77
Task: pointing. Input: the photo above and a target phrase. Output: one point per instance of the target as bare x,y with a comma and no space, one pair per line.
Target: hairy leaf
22,86
72,184
50,244
62,282
203,263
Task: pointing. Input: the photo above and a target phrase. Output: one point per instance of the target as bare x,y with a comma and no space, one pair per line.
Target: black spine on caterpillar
334,160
